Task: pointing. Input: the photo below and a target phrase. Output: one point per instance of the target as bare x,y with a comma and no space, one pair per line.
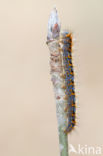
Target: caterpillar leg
69,128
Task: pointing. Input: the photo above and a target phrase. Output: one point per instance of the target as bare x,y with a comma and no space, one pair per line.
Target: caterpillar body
66,40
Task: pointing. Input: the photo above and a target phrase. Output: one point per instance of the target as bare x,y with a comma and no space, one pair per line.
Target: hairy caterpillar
66,40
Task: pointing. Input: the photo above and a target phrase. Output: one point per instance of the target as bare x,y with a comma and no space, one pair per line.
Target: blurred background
28,124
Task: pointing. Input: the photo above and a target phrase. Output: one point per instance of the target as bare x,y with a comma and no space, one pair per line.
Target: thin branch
57,77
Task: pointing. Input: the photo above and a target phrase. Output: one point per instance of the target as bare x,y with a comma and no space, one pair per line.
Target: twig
57,77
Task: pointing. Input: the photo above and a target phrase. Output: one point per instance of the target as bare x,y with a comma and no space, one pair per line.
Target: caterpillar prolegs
66,40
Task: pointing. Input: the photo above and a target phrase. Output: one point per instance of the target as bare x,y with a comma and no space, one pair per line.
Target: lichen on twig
57,73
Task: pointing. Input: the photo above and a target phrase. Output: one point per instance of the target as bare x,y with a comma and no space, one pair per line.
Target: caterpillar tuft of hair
66,48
